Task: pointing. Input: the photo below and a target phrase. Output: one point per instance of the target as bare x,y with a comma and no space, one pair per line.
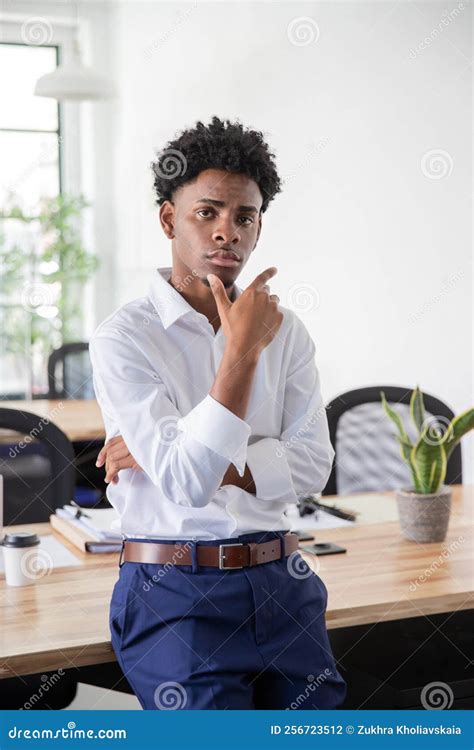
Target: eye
204,211
247,218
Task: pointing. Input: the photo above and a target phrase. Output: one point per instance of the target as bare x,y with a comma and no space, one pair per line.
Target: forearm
233,383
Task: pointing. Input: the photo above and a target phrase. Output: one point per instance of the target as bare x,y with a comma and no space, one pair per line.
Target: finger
275,297
116,465
220,295
263,277
119,452
266,287
102,456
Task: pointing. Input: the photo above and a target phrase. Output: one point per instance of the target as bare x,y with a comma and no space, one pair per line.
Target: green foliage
54,240
428,456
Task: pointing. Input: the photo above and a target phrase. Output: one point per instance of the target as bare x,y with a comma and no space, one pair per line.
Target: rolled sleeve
219,429
270,471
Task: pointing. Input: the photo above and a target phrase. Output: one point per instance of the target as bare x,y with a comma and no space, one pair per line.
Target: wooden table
80,420
62,620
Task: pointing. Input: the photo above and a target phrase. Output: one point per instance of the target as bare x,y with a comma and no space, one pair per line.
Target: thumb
220,295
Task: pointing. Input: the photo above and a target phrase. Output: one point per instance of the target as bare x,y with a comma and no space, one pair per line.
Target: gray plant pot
424,518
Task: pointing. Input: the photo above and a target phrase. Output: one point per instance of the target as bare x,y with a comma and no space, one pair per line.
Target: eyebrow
212,202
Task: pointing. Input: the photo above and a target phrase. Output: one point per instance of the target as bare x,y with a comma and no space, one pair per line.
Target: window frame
59,129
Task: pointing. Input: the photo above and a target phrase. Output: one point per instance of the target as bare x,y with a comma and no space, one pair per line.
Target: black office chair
367,454
70,377
38,477
38,472
70,372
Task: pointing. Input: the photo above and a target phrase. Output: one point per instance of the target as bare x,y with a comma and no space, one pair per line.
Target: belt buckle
222,557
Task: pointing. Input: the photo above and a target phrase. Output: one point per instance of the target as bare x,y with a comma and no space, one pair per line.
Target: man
215,422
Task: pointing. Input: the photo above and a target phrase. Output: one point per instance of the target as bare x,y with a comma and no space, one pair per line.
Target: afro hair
219,145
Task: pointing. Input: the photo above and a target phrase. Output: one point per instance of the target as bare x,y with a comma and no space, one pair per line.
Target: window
30,159
30,135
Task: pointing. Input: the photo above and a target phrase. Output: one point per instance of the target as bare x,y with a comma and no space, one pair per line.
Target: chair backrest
35,483
367,455
70,372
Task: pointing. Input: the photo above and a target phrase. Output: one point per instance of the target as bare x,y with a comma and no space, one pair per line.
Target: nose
226,231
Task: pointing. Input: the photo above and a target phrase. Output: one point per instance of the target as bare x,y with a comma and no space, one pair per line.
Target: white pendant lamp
72,80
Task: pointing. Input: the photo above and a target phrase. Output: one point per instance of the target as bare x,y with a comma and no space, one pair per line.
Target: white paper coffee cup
20,558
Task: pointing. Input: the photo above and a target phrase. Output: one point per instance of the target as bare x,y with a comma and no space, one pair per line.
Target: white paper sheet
318,520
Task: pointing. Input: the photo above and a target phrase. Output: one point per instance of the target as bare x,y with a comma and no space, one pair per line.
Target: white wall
367,231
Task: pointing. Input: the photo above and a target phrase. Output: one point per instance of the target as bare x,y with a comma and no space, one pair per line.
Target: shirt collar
168,302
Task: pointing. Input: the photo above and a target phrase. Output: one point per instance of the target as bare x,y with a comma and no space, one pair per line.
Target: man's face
214,220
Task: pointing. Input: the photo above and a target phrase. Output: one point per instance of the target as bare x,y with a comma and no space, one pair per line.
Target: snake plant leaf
392,414
458,427
429,462
417,409
406,448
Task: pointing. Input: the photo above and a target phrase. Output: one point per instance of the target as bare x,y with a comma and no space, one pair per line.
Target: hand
252,321
116,457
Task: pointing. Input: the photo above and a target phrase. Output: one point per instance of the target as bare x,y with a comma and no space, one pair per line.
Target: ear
167,218
258,231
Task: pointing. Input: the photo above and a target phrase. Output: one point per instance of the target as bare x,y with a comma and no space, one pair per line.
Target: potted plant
424,509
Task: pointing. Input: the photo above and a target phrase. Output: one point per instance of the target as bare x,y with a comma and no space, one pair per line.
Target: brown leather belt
223,556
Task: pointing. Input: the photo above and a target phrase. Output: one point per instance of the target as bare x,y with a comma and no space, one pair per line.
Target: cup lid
20,539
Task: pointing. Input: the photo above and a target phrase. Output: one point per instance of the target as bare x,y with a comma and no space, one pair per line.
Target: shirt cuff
219,429
270,471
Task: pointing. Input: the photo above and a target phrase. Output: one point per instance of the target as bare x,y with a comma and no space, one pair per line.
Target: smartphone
303,536
324,548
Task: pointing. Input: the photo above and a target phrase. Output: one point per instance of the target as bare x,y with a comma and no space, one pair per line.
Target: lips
225,258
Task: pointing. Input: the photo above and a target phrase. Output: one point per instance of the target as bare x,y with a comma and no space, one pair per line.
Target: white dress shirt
154,362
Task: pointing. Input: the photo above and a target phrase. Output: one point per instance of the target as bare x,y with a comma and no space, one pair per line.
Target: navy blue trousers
196,637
